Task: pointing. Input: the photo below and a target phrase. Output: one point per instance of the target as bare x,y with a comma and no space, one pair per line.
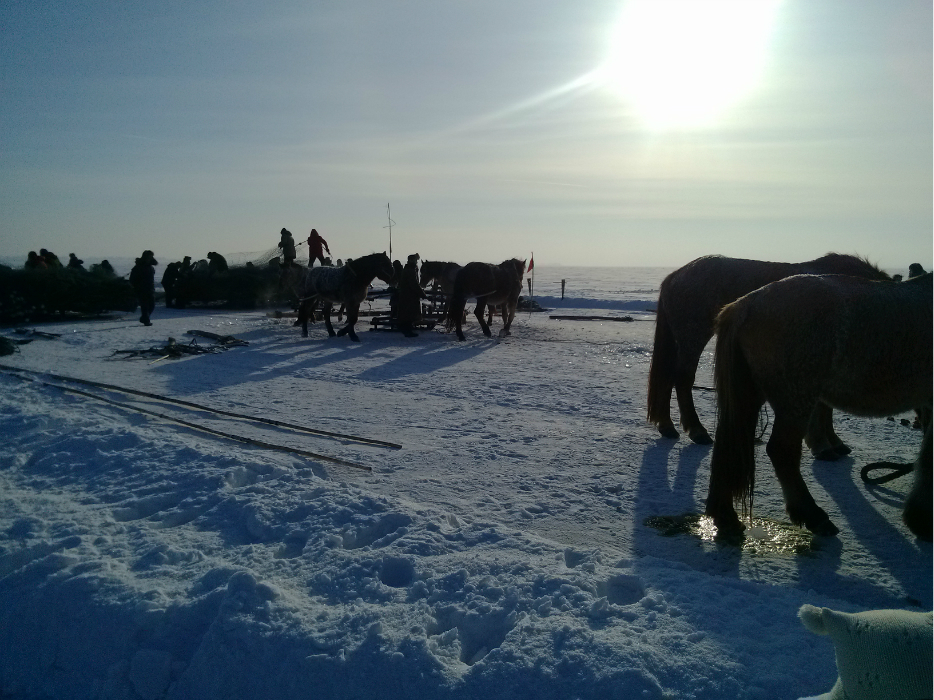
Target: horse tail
662,368
733,463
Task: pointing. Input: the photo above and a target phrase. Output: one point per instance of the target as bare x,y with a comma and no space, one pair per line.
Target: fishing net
263,257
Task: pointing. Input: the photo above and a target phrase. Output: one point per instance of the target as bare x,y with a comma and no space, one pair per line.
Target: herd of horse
347,286
807,338
835,332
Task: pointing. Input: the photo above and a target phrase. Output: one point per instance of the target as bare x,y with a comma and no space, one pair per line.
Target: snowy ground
502,552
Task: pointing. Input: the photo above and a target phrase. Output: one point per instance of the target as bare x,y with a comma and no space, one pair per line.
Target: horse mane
856,265
516,263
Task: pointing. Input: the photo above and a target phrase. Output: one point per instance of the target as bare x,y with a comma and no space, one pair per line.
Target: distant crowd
47,260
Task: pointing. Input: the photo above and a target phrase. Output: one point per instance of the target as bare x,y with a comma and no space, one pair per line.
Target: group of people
316,247
47,260
176,272
143,279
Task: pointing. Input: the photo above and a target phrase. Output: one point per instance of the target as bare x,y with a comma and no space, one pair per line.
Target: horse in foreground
688,301
490,285
345,286
859,346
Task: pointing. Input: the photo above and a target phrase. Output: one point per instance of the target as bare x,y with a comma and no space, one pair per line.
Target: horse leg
821,438
685,372
917,513
478,312
348,329
326,308
509,313
303,316
662,373
784,450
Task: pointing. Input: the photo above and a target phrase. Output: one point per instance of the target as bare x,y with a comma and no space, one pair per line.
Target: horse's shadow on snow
666,491
287,356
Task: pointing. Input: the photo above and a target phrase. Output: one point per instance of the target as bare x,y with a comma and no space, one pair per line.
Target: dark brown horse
444,273
490,285
345,285
859,346
688,302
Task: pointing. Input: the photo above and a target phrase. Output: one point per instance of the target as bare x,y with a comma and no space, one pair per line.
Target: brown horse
345,285
688,302
444,273
860,346
490,285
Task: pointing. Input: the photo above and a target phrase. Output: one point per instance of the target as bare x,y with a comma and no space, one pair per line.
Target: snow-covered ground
501,552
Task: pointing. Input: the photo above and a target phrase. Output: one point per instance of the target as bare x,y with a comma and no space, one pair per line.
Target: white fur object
881,654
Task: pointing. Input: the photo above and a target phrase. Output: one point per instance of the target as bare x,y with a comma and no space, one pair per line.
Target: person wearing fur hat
409,299
287,246
143,279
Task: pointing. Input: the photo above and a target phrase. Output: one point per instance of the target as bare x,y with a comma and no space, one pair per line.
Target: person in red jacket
315,251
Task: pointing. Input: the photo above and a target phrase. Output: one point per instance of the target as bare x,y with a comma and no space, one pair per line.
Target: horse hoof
824,528
701,437
725,519
842,450
728,527
827,455
668,431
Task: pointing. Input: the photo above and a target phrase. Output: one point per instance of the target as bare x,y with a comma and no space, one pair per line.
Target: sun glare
682,63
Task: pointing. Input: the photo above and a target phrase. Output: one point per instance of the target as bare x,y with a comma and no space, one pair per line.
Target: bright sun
681,63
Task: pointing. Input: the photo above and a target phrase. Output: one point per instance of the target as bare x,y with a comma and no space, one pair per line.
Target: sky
588,133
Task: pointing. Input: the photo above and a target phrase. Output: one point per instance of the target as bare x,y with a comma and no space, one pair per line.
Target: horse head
431,270
515,264
373,265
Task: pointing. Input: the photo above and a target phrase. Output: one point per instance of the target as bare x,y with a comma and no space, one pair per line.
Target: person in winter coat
170,282
409,298
217,263
287,246
75,263
51,259
143,279
315,245
34,261
103,268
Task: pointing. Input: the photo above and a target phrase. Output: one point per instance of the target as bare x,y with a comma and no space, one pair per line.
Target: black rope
896,470
195,426
200,407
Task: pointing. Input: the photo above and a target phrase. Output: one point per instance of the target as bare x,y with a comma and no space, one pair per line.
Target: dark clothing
51,259
103,268
409,299
315,252
143,279
287,244
217,263
35,262
74,263
170,282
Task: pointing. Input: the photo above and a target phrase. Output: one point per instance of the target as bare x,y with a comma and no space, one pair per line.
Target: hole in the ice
397,572
622,589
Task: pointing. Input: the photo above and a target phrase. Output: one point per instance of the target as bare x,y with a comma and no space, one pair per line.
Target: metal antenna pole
391,222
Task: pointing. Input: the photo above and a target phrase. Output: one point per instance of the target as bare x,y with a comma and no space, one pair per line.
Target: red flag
531,264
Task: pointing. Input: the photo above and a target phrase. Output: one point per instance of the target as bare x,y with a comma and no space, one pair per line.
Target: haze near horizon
604,133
